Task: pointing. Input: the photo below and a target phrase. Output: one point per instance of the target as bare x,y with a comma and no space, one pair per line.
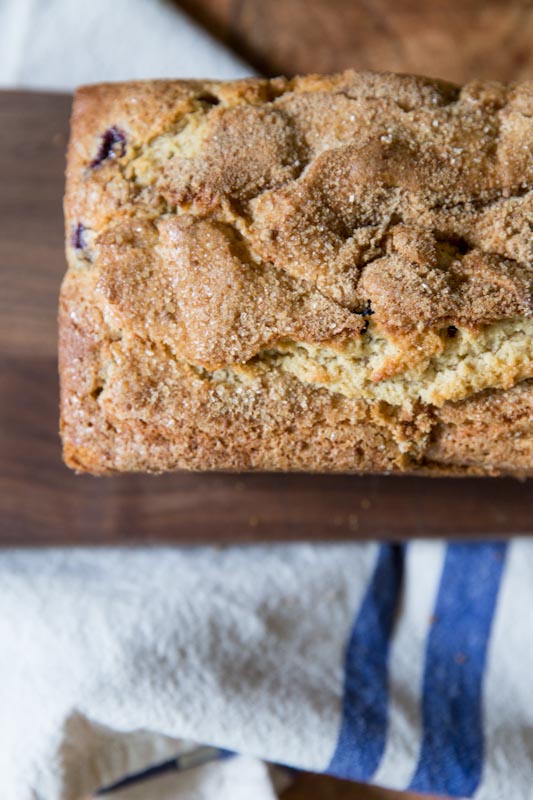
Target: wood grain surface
307,786
41,502
454,39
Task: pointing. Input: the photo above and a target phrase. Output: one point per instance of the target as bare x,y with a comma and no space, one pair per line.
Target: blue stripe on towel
451,756
363,730
198,757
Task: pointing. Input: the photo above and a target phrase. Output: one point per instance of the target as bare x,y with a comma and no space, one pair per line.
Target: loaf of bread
317,274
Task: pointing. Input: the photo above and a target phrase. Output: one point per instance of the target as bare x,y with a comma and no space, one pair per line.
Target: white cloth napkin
405,666
59,44
109,659
402,665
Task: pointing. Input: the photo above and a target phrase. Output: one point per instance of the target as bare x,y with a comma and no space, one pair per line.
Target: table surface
321,787
450,39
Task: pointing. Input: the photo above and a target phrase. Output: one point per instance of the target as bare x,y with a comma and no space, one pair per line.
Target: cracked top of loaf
362,236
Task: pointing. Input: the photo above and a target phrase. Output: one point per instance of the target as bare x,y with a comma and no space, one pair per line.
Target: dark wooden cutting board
41,502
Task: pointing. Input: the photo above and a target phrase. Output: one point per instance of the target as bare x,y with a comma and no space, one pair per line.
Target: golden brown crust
327,273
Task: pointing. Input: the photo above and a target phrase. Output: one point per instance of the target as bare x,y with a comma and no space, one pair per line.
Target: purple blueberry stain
77,237
112,145
366,313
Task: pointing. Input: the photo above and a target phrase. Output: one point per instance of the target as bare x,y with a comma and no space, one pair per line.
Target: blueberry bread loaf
317,274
